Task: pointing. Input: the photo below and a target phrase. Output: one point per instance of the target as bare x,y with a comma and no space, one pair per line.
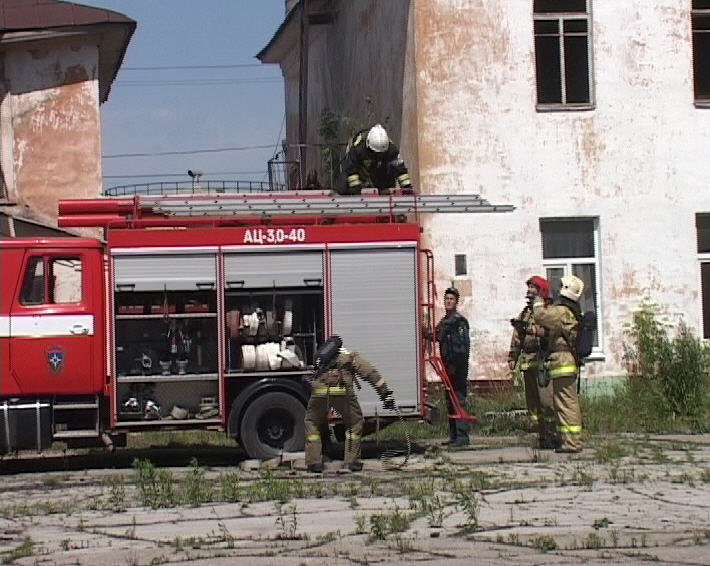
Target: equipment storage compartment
166,337
273,310
25,425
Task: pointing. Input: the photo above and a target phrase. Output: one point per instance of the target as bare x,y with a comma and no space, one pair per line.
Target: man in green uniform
528,346
333,386
452,333
561,321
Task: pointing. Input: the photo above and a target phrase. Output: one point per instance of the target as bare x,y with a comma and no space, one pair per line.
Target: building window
702,226
563,53
700,20
460,264
569,246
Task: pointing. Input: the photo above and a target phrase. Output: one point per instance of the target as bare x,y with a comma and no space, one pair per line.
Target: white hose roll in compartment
248,358
274,358
262,357
288,317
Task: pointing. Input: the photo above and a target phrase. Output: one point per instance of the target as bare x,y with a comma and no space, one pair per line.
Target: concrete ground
624,500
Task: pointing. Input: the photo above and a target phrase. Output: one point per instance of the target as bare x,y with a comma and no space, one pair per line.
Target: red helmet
542,286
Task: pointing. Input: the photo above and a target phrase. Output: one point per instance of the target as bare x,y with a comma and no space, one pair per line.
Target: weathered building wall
360,67
457,80
50,121
637,161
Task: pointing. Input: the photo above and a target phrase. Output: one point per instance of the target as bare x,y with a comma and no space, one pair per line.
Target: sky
190,83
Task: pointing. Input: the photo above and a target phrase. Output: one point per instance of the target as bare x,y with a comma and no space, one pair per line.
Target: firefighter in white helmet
561,321
372,160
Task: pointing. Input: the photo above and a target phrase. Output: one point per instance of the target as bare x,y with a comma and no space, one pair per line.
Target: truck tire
272,423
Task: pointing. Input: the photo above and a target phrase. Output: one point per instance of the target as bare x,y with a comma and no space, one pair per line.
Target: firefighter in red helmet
528,348
561,323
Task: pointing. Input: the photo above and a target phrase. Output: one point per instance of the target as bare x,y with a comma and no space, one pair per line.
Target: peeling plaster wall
51,117
638,161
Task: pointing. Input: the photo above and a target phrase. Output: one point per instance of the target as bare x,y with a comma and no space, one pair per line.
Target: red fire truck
205,312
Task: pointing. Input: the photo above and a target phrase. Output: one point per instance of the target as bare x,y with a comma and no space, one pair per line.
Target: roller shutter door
373,302
273,269
158,272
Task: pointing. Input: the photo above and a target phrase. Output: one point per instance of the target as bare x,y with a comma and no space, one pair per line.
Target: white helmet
572,287
377,139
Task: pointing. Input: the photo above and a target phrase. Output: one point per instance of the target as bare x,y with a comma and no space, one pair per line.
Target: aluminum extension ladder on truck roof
284,218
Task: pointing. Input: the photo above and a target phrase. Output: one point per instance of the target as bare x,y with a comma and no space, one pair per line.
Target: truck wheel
272,423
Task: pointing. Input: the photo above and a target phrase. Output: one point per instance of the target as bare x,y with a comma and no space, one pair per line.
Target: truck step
87,433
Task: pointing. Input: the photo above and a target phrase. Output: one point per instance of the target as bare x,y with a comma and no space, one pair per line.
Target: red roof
16,15
40,15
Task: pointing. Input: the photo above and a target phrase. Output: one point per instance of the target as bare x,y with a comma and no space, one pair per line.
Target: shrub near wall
668,389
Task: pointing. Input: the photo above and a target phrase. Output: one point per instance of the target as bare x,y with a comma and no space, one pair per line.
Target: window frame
561,17
47,262
465,262
703,258
567,263
703,102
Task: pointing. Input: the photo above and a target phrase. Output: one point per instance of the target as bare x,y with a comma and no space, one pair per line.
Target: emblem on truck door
55,359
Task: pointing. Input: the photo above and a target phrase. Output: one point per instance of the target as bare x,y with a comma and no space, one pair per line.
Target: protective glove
543,377
387,398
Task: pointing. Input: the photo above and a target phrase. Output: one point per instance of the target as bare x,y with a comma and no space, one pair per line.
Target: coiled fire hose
396,459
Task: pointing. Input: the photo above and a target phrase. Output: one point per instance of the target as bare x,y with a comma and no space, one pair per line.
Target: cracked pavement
626,499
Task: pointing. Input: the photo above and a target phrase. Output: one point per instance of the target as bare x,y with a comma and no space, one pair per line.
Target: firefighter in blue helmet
336,369
372,160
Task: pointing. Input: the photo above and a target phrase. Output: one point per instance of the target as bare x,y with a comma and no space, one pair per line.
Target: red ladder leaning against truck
205,312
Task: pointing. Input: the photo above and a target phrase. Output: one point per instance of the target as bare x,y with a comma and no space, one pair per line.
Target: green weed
384,524
544,543
196,490
26,548
287,521
607,452
155,486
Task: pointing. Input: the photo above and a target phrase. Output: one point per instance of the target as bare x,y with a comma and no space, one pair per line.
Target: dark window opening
700,20
33,284
562,52
460,264
705,288
559,6
702,226
549,75
567,238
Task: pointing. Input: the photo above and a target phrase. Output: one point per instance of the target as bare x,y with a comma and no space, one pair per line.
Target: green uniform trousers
343,400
